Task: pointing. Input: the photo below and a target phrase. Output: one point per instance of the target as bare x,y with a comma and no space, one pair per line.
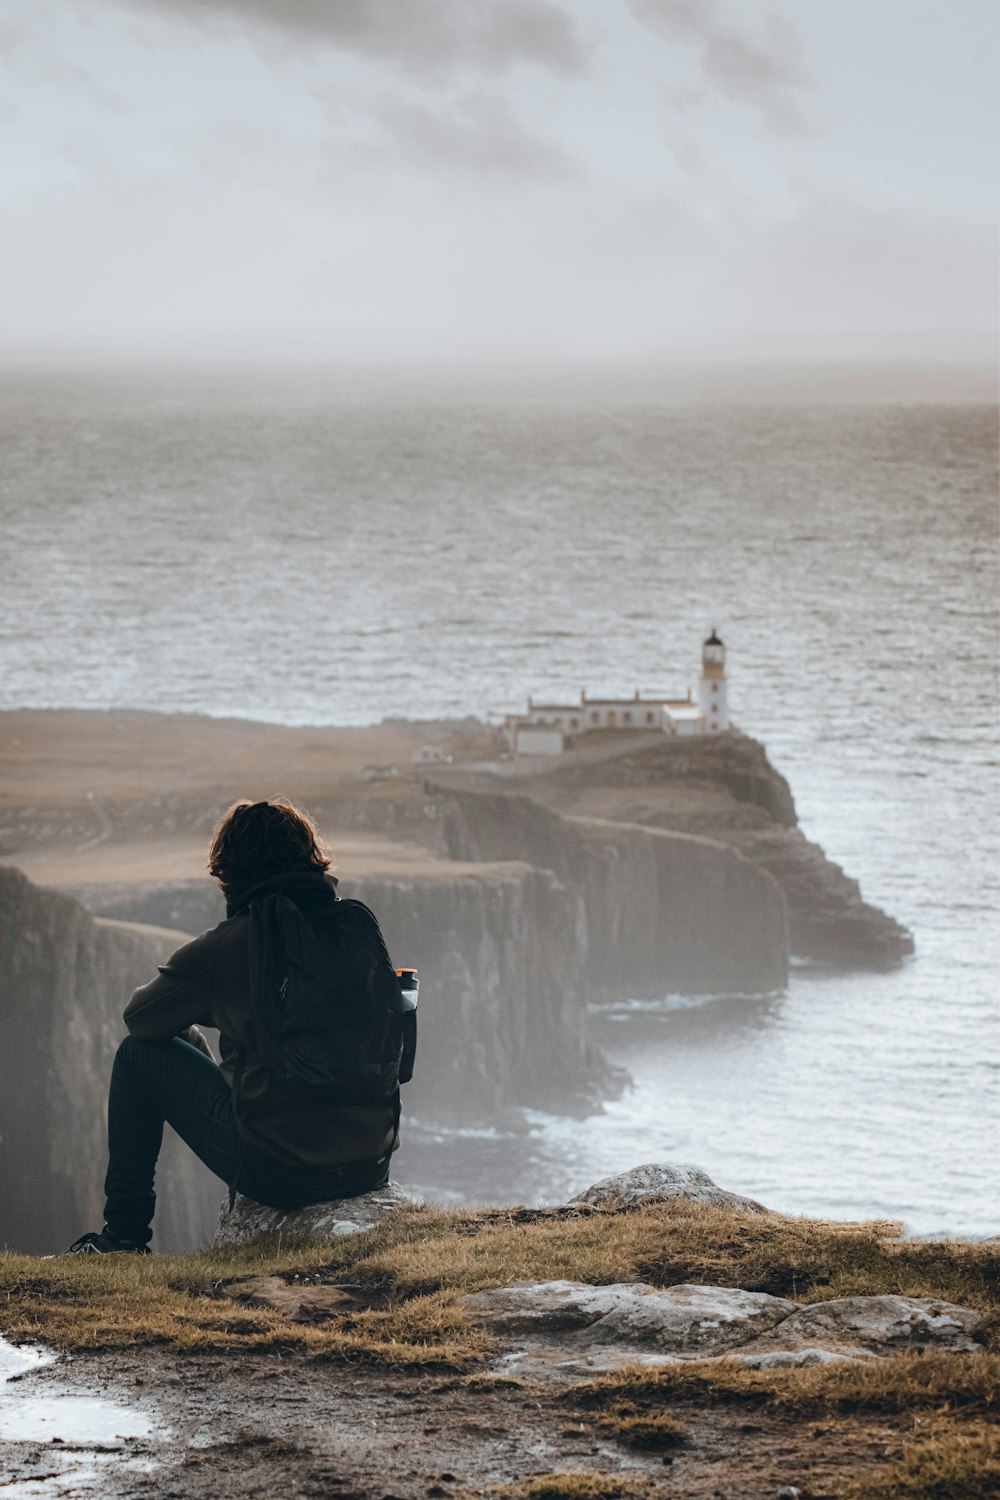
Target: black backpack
332,1023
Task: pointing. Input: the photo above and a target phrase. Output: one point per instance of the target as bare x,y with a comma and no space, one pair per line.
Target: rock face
567,1330
657,1182
188,906
502,952
828,919
533,917
725,788
662,911
64,981
248,1221
503,1007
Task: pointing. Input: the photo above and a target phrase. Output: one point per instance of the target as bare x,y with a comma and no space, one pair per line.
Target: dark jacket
207,983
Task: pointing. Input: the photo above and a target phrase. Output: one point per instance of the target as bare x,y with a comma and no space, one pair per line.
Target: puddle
68,1419
72,1437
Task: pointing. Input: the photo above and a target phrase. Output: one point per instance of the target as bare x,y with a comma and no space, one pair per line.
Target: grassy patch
408,1275
417,1263
963,1384
642,1429
954,1465
666,1244
107,1302
954,1396
579,1486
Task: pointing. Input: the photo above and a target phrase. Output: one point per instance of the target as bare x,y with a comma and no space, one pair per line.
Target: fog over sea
335,549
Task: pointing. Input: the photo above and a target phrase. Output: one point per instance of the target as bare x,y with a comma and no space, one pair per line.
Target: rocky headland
522,891
63,976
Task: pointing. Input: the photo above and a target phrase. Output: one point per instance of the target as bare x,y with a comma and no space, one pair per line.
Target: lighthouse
712,686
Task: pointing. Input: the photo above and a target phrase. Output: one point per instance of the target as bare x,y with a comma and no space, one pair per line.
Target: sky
498,180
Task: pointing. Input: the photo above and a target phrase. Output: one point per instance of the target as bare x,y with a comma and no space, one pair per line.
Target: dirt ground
56,757
93,767
289,1426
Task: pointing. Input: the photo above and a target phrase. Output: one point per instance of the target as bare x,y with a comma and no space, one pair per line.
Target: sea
338,546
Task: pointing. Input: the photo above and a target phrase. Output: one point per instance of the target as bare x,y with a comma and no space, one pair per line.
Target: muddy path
207,1425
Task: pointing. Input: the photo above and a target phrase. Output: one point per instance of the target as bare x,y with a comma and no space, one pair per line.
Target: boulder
702,1320
248,1220
657,1182
567,1330
570,1364
689,1319
879,1325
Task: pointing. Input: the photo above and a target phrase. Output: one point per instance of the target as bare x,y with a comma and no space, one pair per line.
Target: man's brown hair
256,840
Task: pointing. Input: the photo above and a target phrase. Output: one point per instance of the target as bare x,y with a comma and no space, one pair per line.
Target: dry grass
420,1259
959,1393
98,1302
961,1384
409,1274
667,1244
640,1429
952,1465
577,1485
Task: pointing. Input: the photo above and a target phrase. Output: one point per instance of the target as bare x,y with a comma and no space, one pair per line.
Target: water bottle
409,987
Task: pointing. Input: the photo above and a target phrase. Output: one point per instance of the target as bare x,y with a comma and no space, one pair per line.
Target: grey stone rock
880,1325
530,1306
658,1182
783,1359
689,1319
317,1221
568,1330
703,1320
563,1364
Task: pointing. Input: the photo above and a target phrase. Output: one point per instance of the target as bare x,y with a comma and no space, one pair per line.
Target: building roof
624,702
580,708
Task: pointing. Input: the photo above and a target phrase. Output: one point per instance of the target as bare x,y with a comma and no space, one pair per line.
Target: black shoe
106,1243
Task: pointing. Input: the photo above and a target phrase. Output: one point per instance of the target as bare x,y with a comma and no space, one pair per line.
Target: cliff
83,781
725,789
663,912
503,951
64,981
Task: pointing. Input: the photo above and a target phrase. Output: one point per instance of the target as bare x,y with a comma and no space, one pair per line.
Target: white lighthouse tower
712,686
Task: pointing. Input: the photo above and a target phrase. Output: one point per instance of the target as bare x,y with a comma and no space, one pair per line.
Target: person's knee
133,1053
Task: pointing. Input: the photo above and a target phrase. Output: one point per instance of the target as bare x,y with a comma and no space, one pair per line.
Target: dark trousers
153,1083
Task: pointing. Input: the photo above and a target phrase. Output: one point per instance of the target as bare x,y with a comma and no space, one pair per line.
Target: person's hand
197,1038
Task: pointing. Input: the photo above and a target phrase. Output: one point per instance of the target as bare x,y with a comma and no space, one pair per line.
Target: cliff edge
64,981
724,788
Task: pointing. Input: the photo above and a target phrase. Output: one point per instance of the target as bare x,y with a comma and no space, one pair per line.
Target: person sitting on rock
274,1145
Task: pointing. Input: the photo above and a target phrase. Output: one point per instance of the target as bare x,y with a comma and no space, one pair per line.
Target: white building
551,728
427,755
